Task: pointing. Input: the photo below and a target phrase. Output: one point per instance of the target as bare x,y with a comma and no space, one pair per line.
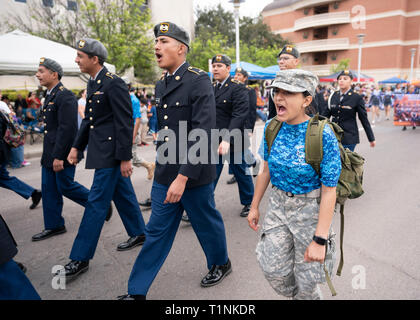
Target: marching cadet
108,129
241,75
183,96
288,58
59,114
232,109
343,106
14,285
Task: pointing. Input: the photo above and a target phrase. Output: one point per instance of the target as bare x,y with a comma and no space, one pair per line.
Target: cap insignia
164,27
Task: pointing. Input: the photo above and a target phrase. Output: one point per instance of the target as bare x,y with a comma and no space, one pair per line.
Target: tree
343,64
215,34
121,25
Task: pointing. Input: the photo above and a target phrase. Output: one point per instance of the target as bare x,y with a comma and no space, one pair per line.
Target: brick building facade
325,31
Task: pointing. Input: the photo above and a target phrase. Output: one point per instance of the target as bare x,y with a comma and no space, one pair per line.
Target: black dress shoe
73,269
131,243
245,211
231,180
21,266
109,215
36,198
216,274
48,233
146,203
132,297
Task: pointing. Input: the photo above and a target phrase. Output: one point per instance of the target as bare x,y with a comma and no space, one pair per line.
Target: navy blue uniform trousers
161,229
14,285
55,185
239,170
108,184
14,184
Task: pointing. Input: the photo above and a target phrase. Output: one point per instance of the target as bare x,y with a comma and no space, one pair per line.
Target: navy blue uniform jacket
108,123
344,114
59,114
187,97
232,108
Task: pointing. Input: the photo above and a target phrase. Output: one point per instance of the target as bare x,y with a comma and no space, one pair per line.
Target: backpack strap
313,142
340,266
271,132
327,277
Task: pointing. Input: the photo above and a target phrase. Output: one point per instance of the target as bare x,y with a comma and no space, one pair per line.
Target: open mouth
281,110
158,57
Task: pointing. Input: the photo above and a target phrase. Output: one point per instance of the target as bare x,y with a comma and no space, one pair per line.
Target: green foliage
121,25
215,34
12,94
343,64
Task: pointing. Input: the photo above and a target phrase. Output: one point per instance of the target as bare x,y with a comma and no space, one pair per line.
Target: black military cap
51,65
345,73
221,58
242,71
171,30
92,47
289,50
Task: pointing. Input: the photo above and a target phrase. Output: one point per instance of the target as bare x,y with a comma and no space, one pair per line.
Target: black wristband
320,241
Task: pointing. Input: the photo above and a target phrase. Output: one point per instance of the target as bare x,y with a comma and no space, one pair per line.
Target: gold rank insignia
164,27
41,61
61,88
82,43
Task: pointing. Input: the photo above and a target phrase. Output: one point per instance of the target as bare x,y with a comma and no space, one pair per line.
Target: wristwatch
320,241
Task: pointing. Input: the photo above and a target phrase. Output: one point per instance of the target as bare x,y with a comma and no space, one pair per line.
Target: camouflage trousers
286,233
137,161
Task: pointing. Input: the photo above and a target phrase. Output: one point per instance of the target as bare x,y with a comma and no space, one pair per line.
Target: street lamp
413,54
236,5
360,37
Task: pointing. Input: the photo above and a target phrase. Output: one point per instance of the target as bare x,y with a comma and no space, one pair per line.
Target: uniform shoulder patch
235,81
61,88
109,75
195,70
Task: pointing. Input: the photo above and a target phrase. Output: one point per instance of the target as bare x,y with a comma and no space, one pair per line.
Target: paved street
381,236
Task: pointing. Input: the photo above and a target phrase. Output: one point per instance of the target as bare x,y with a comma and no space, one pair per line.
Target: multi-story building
326,31
179,12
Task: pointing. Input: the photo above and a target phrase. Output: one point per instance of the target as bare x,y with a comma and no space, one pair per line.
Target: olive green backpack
349,184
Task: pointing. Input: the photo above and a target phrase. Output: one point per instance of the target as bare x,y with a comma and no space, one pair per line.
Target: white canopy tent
19,61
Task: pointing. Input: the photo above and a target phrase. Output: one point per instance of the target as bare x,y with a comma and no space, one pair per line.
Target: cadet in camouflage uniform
297,226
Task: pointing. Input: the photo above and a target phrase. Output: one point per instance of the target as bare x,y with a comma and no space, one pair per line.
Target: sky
249,8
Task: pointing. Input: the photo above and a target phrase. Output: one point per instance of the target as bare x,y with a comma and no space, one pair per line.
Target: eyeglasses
283,58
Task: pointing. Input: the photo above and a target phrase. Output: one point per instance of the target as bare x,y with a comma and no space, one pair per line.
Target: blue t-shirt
136,107
289,171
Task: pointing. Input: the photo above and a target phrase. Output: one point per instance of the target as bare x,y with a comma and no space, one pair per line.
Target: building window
71,5
48,3
23,1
